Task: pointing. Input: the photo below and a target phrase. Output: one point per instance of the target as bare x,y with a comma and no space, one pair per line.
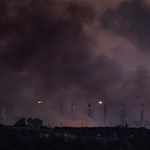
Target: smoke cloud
130,20
53,51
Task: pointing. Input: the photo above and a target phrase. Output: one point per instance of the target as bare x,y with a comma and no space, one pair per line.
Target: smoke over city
63,52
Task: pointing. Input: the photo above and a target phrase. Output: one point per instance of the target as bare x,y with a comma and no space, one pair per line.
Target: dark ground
68,138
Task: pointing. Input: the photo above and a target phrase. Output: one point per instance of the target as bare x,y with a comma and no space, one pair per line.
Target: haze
63,52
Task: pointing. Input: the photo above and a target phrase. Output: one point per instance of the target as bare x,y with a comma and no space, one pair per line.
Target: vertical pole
89,110
105,114
100,103
142,114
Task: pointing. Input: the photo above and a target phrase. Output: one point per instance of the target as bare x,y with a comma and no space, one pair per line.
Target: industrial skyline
93,115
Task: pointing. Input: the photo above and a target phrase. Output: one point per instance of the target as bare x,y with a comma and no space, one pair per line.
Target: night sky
66,51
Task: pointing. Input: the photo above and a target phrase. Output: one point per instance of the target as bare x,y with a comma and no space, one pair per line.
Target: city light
39,102
100,102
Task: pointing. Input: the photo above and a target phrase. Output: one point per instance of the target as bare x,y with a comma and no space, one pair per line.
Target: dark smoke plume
131,20
45,54
39,43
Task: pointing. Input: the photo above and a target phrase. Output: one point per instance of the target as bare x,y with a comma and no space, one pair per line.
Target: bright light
39,102
100,102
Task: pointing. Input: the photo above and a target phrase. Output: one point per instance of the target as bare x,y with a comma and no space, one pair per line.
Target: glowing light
126,118
100,102
39,102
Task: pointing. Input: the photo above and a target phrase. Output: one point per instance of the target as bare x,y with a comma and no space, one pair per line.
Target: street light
100,103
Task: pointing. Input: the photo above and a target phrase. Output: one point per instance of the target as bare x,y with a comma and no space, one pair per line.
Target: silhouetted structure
142,114
6,111
72,110
20,123
89,110
72,106
105,113
123,115
34,124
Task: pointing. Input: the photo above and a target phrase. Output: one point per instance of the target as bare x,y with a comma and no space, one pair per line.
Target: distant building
105,113
72,110
89,110
142,123
142,113
6,112
123,114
